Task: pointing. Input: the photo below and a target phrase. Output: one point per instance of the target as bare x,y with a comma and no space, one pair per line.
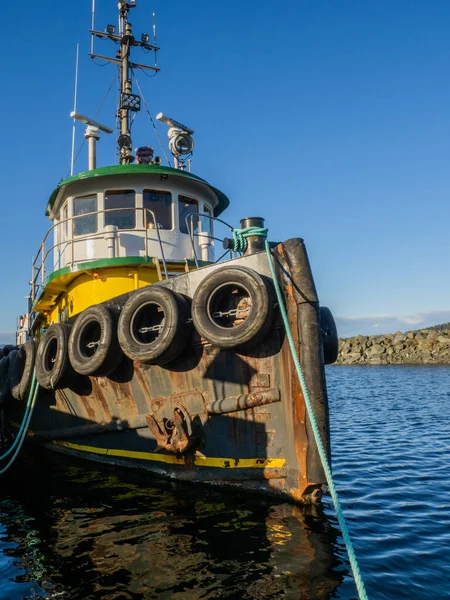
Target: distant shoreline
421,347
366,364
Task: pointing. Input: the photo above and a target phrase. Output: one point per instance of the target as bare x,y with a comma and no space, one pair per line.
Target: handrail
159,238
38,271
204,234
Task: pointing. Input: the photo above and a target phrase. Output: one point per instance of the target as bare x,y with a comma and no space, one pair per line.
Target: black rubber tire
7,349
96,323
4,381
330,339
154,305
21,371
5,370
53,348
208,295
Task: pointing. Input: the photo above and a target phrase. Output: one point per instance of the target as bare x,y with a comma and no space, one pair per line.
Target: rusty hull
241,418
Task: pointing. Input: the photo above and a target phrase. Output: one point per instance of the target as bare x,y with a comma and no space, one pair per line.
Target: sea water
71,529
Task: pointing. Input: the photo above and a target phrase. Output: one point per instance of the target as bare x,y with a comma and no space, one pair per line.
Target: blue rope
322,453
18,442
240,236
22,426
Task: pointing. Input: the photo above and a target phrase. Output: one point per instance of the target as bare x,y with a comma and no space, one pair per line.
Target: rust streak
297,480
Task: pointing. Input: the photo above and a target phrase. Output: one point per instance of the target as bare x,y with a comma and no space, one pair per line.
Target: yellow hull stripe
200,461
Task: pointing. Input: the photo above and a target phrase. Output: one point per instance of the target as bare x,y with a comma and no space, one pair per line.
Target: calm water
73,530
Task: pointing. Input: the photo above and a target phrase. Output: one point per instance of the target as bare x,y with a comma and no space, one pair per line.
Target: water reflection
71,530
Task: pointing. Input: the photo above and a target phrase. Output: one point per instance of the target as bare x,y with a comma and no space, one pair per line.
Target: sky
330,118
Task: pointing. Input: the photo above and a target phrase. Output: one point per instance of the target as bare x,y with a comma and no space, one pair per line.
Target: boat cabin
149,211
118,228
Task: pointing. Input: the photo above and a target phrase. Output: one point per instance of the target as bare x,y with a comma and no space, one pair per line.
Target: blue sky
329,118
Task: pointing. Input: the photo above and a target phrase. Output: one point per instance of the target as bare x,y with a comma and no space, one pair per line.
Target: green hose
18,442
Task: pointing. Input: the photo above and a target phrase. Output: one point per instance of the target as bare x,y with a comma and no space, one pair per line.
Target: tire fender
330,339
93,344
53,368
233,288
5,371
163,310
7,349
21,371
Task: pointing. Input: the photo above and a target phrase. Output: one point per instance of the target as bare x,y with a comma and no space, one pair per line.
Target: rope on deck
240,236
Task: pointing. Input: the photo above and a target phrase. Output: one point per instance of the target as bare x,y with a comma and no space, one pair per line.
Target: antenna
154,35
93,26
72,160
91,122
92,136
172,123
128,102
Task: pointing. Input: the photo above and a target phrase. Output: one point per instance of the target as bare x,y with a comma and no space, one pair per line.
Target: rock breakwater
423,346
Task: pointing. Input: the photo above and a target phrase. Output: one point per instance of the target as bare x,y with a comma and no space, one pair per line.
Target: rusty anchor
177,434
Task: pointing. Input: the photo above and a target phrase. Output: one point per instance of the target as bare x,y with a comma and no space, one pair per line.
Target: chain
153,328
159,327
234,312
92,344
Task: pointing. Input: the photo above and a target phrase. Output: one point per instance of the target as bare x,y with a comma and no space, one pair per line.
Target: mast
124,141
128,102
72,158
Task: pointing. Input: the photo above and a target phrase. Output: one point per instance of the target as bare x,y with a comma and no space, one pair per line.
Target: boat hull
245,412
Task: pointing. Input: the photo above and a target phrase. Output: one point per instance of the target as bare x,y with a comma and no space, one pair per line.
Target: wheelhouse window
120,209
83,225
187,206
65,222
160,203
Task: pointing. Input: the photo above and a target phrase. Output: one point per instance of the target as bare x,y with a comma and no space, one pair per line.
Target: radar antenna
128,102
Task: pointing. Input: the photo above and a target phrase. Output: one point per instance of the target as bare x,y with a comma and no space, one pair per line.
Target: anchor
177,434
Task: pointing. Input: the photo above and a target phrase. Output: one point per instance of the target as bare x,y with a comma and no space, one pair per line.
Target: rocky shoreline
425,346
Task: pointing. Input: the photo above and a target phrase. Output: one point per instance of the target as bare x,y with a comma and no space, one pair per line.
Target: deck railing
39,268
206,235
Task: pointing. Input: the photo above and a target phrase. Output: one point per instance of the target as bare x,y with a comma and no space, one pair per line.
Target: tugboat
149,352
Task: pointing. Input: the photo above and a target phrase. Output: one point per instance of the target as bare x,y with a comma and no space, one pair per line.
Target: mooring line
322,453
18,442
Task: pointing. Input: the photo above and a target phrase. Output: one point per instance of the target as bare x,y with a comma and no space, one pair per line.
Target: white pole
92,152
92,26
75,110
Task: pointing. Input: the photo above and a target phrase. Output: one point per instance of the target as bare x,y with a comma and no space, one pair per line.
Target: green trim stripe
98,264
223,201
121,261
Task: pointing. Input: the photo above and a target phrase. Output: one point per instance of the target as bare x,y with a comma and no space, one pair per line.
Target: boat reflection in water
112,538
